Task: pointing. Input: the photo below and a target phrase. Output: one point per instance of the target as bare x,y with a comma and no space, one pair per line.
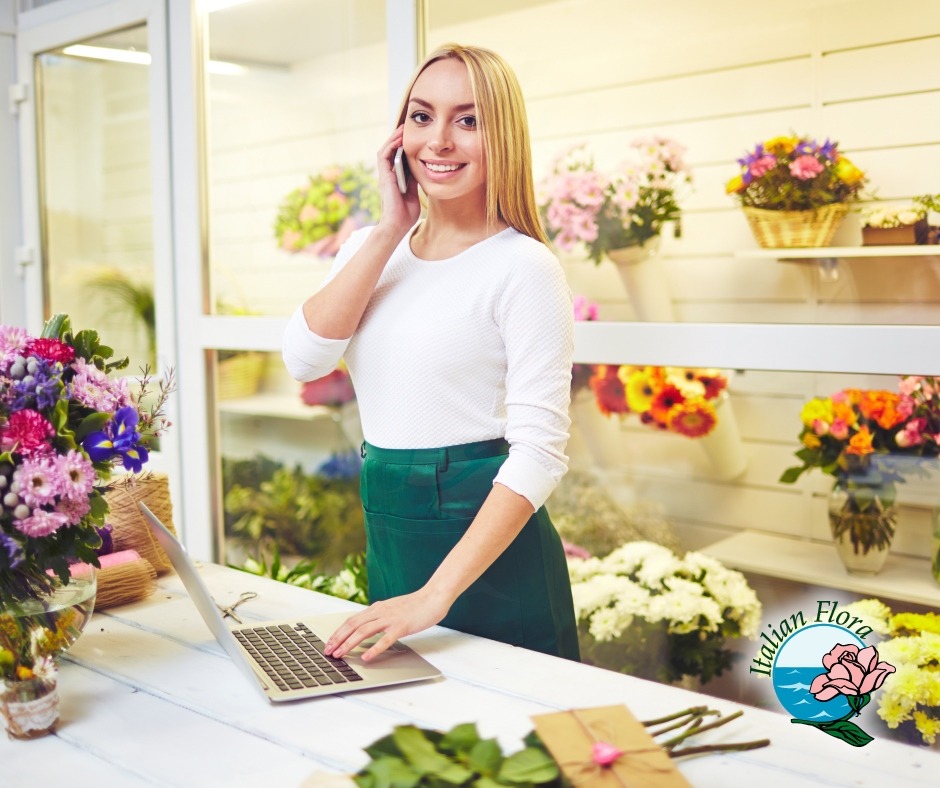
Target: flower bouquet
868,441
795,190
318,217
898,223
643,610
612,211
912,692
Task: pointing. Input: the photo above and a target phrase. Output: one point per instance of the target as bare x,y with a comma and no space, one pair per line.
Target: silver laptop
283,658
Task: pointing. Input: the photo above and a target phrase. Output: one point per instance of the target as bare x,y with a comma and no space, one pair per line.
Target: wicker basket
240,376
795,229
129,528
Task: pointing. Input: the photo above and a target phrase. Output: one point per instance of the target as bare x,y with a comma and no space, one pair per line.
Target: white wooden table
149,698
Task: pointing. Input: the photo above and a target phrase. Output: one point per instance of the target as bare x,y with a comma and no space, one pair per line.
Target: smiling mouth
441,168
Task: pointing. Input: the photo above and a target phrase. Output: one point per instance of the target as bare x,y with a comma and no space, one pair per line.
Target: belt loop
444,460
362,450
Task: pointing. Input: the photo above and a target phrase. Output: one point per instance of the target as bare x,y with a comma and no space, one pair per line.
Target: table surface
149,698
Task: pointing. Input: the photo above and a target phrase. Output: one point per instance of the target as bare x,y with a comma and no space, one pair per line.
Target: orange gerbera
608,390
860,443
692,418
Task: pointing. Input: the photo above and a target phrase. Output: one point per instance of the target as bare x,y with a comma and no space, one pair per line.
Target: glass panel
699,79
290,462
287,109
94,121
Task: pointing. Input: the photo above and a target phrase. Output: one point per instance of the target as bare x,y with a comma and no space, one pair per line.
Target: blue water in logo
792,688
799,661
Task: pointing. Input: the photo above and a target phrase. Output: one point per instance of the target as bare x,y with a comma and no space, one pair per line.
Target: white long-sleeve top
470,348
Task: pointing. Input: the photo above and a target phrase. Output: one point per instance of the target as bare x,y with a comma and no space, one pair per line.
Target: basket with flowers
795,190
868,440
318,217
899,223
645,611
626,208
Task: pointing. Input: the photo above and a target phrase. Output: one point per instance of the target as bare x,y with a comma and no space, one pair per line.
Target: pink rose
839,429
851,672
820,427
604,754
805,167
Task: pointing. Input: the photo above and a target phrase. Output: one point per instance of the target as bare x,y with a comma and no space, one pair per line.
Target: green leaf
56,326
421,753
790,475
93,423
460,738
391,772
849,732
486,782
486,757
528,766
858,702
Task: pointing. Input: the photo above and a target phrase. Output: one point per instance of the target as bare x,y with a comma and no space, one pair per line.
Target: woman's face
442,139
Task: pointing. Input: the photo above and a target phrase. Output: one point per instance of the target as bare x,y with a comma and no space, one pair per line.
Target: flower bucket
863,517
795,229
906,234
30,708
723,445
641,270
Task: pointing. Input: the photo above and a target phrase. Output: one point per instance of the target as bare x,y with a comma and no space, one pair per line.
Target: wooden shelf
277,406
840,252
903,578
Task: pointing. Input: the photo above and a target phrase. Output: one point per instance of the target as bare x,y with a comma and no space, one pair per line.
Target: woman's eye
420,117
468,122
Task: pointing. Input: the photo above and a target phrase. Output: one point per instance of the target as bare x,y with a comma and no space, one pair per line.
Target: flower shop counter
148,697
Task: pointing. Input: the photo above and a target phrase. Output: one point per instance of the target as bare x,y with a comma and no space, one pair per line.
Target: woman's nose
440,141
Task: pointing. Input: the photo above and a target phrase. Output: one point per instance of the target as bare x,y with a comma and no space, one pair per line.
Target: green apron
419,502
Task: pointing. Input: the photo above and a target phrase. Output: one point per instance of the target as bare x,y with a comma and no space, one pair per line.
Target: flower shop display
868,441
910,696
620,215
64,426
318,217
795,191
644,610
331,390
898,223
682,400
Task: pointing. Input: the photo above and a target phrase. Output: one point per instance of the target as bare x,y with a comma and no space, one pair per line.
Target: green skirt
419,502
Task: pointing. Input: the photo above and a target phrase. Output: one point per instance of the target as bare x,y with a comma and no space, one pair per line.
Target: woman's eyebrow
458,108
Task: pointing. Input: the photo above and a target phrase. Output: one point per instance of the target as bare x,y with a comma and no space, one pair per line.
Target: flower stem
670,743
694,710
734,747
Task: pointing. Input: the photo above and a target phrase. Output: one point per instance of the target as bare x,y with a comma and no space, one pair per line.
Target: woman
457,331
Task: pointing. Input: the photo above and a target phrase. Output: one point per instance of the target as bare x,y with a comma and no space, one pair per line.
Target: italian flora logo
823,673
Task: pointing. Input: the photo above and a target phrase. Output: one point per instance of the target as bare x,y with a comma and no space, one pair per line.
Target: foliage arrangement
677,399
351,582
868,440
64,426
581,205
795,174
318,217
643,598
317,514
912,645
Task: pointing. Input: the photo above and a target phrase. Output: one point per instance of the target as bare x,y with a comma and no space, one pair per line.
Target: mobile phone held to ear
401,170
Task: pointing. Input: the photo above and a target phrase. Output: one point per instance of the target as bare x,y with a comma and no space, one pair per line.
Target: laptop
284,658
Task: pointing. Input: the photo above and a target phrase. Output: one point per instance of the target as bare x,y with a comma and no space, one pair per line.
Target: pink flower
839,429
13,342
308,213
912,434
74,510
604,754
27,432
584,309
761,166
820,427
805,167
94,389
38,481
52,350
573,550
851,672
910,384
77,475
40,523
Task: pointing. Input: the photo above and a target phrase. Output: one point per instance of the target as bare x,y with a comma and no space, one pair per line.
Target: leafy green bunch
411,757
351,582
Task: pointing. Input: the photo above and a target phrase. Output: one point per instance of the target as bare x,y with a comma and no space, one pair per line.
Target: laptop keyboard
293,657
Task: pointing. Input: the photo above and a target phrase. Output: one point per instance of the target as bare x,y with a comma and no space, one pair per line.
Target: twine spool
130,528
128,579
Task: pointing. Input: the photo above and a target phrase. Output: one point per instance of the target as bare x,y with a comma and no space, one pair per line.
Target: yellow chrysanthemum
735,185
847,172
640,391
777,145
927,726
915,623
817,408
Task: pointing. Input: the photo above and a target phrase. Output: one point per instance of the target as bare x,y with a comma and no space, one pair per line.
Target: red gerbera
608,390
51,350
664,401
693,418
27,432
714,385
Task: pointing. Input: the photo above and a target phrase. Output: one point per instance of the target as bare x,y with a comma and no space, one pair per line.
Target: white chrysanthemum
873,612
598,592
633,600
683,613
582,568
628,557
657,568
608,624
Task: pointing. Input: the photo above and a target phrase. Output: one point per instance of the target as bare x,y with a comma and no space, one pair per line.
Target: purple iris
39,389
828,149
13,550
119,438
747,161
341,466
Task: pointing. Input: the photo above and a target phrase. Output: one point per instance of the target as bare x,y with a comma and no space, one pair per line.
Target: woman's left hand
396,617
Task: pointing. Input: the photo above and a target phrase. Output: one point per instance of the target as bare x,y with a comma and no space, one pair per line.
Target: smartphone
401,170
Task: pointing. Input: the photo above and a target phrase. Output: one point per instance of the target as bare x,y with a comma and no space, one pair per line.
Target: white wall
11,296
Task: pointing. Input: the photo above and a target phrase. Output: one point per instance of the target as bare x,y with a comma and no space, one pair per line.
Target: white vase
723,445
601,433
641,270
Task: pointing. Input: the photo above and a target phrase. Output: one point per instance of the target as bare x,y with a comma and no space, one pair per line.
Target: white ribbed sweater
473,347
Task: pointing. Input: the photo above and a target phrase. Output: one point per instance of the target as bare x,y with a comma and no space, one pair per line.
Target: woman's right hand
399,210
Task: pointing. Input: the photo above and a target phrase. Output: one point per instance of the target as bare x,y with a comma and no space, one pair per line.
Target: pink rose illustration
851,672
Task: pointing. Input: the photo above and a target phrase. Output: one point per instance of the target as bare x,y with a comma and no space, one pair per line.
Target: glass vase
30,708
863,516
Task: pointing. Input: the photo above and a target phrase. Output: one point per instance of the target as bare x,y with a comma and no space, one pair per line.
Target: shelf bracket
828,269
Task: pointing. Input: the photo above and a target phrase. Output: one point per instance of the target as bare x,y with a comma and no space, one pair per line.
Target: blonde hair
510,192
